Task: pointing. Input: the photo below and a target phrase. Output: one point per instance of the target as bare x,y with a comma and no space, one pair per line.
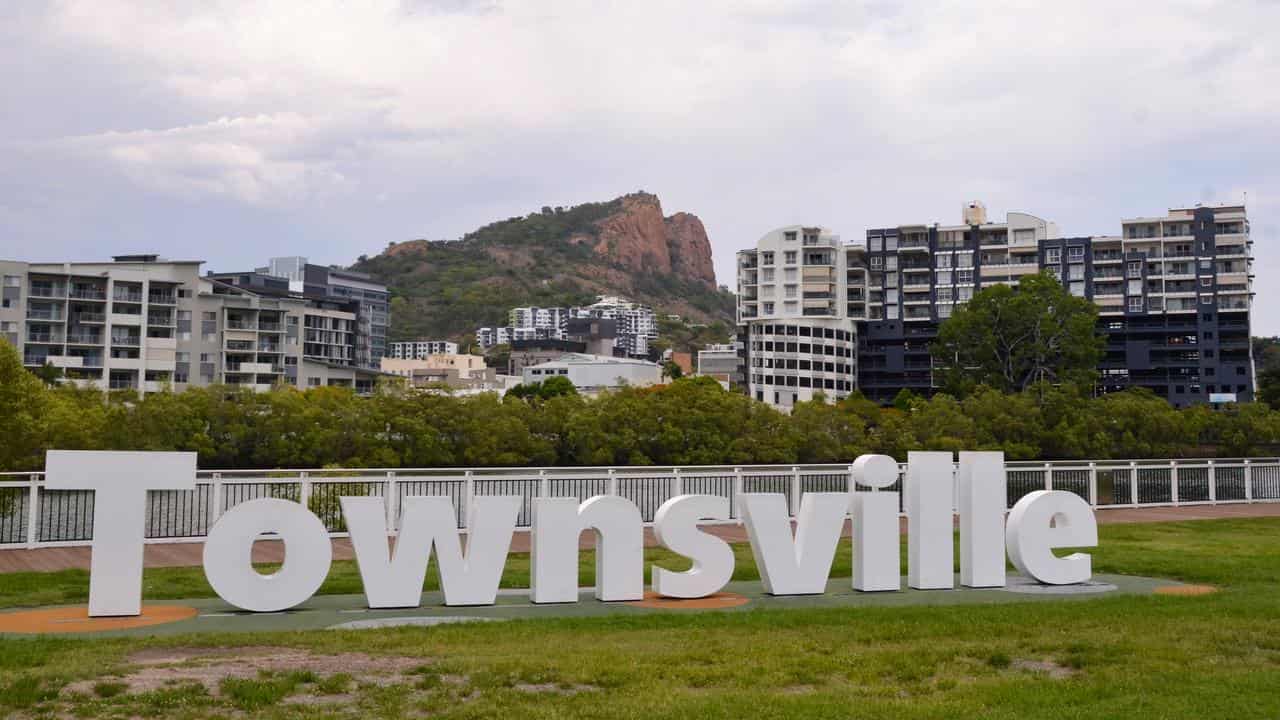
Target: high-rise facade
142,323
1173,294
800,293
372,300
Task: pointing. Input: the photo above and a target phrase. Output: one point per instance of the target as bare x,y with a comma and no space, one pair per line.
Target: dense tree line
688,421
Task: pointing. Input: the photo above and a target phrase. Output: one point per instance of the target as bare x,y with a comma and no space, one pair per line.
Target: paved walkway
189,554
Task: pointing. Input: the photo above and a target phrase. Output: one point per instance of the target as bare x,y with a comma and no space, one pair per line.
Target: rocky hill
558,256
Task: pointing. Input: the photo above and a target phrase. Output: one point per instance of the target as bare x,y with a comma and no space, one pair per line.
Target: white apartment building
800,292
142,323
637,325
420,349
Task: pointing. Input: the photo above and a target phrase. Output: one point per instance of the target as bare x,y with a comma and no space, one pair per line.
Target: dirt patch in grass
554,688
1045,667
165,667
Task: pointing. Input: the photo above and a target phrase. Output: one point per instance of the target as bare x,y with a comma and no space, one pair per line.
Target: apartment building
637,325
132,324
1173,294
724,362
420,349
372,301
800,292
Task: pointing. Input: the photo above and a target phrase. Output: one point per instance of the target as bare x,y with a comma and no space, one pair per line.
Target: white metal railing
32,516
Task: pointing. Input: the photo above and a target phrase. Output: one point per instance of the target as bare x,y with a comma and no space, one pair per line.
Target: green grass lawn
1157,657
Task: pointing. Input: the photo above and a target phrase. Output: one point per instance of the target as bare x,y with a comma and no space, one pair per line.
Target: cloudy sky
231,131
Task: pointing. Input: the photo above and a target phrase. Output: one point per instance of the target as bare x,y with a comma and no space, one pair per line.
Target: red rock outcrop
639,238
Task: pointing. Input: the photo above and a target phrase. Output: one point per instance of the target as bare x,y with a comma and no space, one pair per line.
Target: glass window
891,262
964,276
875,244
1075,252
790,257
944,277
1053,256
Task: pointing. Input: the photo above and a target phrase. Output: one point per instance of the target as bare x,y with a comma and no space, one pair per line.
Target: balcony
126,340
84,338
238,324
161,298
162,319
269,326
89,317
125,296
43,290
44,314
44,337
87,293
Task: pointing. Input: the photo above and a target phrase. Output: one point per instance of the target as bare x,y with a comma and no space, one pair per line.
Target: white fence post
468,496
1213,484
1173,481
1093,484
1048,476
215,498
1133,483
544,485
33,512
677,485
795,491
1248,482
737,493
611,485
304,488
392,500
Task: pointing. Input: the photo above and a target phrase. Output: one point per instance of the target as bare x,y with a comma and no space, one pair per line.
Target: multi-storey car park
1173,295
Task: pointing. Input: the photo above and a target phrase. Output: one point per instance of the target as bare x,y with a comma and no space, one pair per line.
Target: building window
964,276
1135,270
1075,253
964,294
944,294
944,277
790,257
944,311
1077,289
891,262
875,244
1076,272
1206,299
1135,304
1053,256
943,261
877,262
964,259
1206,281
766,258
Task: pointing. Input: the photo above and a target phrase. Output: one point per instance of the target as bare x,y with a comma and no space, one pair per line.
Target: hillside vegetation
558,256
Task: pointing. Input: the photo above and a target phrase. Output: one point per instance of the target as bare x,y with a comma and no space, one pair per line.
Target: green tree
48,373
23,402
1012,338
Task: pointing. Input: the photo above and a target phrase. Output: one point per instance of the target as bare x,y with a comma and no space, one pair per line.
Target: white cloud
428,117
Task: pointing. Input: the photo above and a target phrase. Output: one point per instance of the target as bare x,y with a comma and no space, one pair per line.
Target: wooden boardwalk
189,554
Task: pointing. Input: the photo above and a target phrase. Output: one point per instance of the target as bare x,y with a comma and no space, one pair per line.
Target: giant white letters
228,555
798,566
676,528
1048,519
930,552
788,564
876,537
619,530
391,579
120,481
981,484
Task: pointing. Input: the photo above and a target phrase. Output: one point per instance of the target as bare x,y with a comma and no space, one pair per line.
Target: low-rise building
723,362
466,373
593,373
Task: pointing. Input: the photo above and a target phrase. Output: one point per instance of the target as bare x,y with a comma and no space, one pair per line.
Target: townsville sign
790,563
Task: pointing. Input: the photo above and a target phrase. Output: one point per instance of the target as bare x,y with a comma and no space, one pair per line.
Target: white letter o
228,555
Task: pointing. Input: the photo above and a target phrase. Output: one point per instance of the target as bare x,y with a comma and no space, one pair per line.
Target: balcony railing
48,291
126,340
127,296
162,298
87,294
38,314
89,317
44,337
84,338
